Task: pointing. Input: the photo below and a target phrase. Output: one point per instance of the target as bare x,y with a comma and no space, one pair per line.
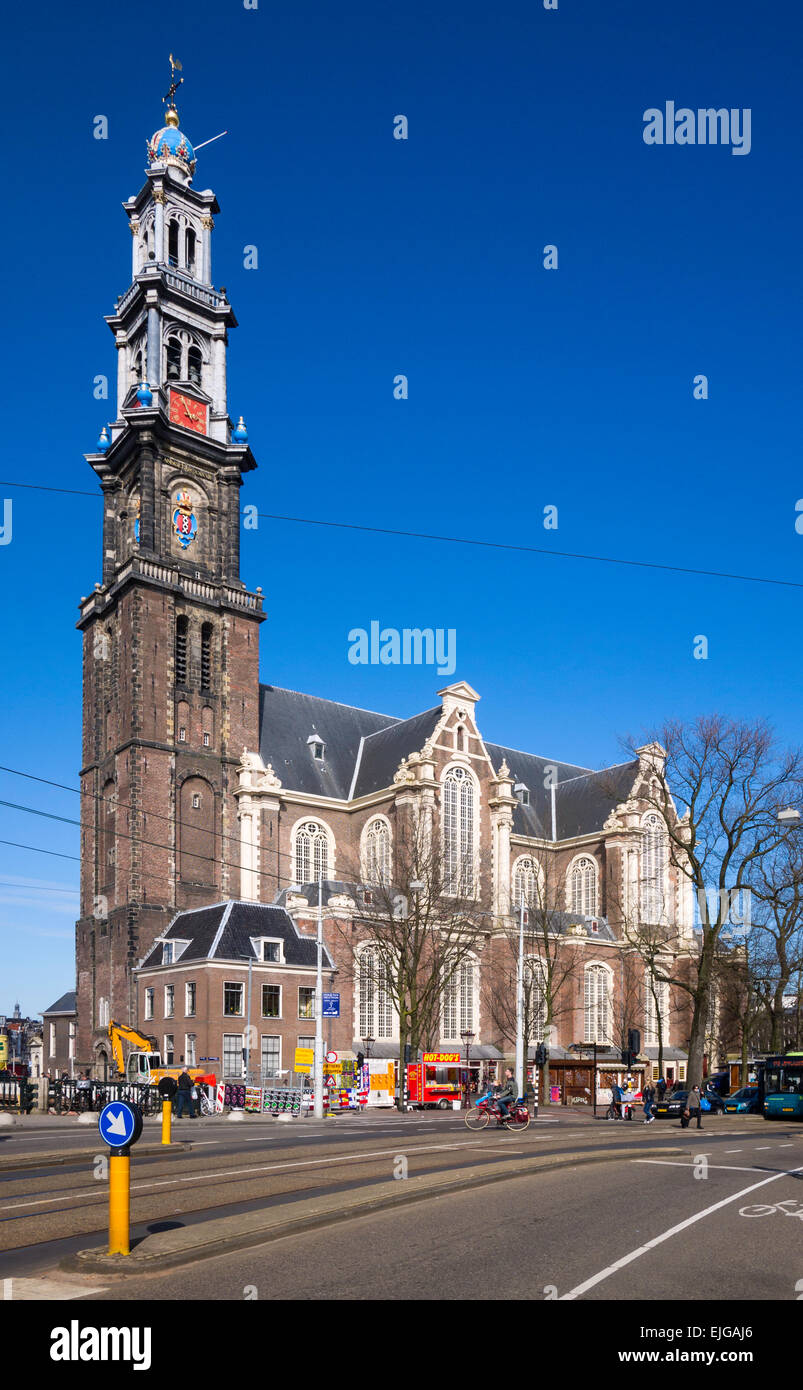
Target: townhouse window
307,1042
233,1061
149,993
169,1050
306,1002
190,1040
167,953
170,999
271,1001
272,951
232,1000
271,1054
190,995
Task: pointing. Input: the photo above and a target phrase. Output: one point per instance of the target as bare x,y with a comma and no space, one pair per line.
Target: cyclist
507,1096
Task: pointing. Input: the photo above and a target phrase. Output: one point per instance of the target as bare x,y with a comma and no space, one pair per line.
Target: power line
482,544
35,887
38,850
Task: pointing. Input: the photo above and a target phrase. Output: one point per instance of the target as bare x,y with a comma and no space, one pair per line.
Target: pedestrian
661,1088
186,1085
648,1097
693,1106
616,1100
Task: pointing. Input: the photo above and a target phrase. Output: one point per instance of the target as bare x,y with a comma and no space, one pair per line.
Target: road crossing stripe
673,1231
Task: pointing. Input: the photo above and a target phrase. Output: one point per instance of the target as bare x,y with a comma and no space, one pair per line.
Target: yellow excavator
144,1064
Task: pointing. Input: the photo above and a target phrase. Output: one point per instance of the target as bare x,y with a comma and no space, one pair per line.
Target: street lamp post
468,1039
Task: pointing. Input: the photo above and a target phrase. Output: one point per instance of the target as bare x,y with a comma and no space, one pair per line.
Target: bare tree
552,960
419,924
732,779
777,890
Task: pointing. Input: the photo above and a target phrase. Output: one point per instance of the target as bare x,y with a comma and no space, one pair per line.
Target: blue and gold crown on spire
169,145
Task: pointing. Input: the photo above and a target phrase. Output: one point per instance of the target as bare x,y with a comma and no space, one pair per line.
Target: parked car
744,1102
672,1105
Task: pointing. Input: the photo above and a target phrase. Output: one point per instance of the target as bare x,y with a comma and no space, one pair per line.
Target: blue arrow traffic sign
120,1123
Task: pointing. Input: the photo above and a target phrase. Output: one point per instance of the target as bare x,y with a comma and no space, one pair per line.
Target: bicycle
479,1115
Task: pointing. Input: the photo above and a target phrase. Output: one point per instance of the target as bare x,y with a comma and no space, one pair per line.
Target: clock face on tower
187,412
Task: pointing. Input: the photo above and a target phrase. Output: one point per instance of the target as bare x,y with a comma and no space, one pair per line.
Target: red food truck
435,1080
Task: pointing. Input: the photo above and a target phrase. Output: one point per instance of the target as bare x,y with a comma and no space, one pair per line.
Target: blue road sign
119,1123
331,1005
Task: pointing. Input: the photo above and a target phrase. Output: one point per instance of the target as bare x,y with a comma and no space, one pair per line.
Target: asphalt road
600,1232
552,1229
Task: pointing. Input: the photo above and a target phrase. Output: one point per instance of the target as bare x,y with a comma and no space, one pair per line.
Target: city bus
783,1087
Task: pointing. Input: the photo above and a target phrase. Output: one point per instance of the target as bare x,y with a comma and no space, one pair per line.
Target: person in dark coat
661,1088
693,1106
184,1094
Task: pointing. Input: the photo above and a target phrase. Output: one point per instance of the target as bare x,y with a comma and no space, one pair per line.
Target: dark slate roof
584,804
64,1005
228,926
535,819
286,720
382,752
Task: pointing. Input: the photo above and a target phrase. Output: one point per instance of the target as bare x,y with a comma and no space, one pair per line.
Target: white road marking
678,1163
733,1151
673,1231
786,1146
763,1146
25,1290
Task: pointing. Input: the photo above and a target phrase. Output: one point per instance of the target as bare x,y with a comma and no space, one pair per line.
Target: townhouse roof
227,930
65,1004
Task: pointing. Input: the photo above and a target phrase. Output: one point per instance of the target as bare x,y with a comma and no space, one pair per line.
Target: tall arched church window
458,1002
189,251
311,853
172,243
458,832
377,852
173,359
583,887
376,1012
597,1000
182,634
525,882
654,858
194,364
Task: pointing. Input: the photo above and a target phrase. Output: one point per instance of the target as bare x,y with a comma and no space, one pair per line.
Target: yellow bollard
119,1203
167,1120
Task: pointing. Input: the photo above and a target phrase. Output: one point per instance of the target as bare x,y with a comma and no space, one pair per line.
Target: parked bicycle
479,1115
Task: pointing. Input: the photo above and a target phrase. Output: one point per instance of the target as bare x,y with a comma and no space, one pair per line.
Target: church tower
170,634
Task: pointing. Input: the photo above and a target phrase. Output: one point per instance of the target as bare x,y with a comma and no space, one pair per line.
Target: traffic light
408,1054
627,1058
360,1060
540,1055
633,1042
27,1091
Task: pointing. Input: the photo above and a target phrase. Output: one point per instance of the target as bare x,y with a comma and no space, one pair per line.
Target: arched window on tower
182,626
194,363
173,359
189,251
206,656
172,243
654,856
525,882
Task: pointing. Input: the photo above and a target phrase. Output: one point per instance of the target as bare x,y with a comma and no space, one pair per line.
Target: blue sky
527,387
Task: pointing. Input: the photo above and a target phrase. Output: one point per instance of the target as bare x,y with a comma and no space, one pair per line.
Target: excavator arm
120,1031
